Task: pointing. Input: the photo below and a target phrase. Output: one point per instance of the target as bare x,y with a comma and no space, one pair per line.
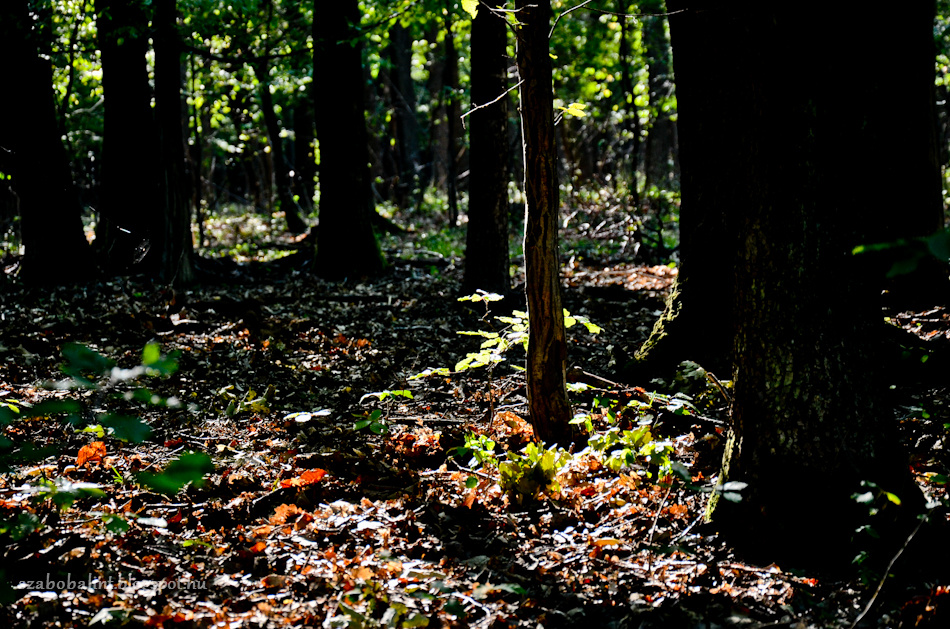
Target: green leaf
151,354
116,524
190,467
471,482
125,428
361,424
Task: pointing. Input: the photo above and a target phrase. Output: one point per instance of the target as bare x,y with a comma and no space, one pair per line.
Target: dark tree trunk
305,164
173,234
660,159
548,406
346,244
808,147
51,227
404,103
697,323
285,199
128,199
486,245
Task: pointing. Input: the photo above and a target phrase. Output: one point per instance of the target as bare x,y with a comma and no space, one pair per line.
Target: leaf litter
305,521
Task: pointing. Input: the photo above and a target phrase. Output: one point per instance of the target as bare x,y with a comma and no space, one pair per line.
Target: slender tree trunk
660,162
51,228
346,244
404,103
451,117
486,245
548,406
285,199
174,242
632,120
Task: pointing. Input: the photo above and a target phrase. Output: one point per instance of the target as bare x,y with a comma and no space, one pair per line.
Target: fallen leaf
95,451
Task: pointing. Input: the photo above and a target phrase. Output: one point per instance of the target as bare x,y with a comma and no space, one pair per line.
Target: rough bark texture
346,244
486,246
50,227
173,246
548,406
808,165
128,208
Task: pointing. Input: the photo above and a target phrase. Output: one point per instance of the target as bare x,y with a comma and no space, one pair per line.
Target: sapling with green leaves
374,419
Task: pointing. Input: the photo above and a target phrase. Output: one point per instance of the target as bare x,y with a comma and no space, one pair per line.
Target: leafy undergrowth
418,518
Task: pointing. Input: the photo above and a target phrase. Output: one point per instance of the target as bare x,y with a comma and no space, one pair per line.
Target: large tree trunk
548,406
51,229
173,246
807,149
486,245
129,191
346,244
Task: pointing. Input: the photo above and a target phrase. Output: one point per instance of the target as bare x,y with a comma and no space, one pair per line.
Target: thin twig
563,13
656,519
887,571
491,102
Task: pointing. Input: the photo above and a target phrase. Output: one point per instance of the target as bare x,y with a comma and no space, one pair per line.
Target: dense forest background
269,268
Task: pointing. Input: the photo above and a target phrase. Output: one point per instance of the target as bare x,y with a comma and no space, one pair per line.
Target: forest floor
307,521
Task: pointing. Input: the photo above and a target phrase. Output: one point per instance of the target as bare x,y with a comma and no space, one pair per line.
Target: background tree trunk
404,104
128,208
346,244
697,323
486,245
174,243
548,406
305,163
285,199
51,228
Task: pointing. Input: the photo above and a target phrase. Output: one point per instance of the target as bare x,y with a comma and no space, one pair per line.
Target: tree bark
548,405
404,103
51,227
128,208
486,245
174,247
346,244
807,156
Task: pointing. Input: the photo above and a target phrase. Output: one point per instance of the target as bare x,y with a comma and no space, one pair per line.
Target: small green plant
533,471
374,419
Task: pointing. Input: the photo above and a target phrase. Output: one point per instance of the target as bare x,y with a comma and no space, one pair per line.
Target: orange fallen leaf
258,547
95,451
307,478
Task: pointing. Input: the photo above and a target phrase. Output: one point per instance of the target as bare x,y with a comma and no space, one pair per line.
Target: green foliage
374,419
190,467
533,471
512,332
